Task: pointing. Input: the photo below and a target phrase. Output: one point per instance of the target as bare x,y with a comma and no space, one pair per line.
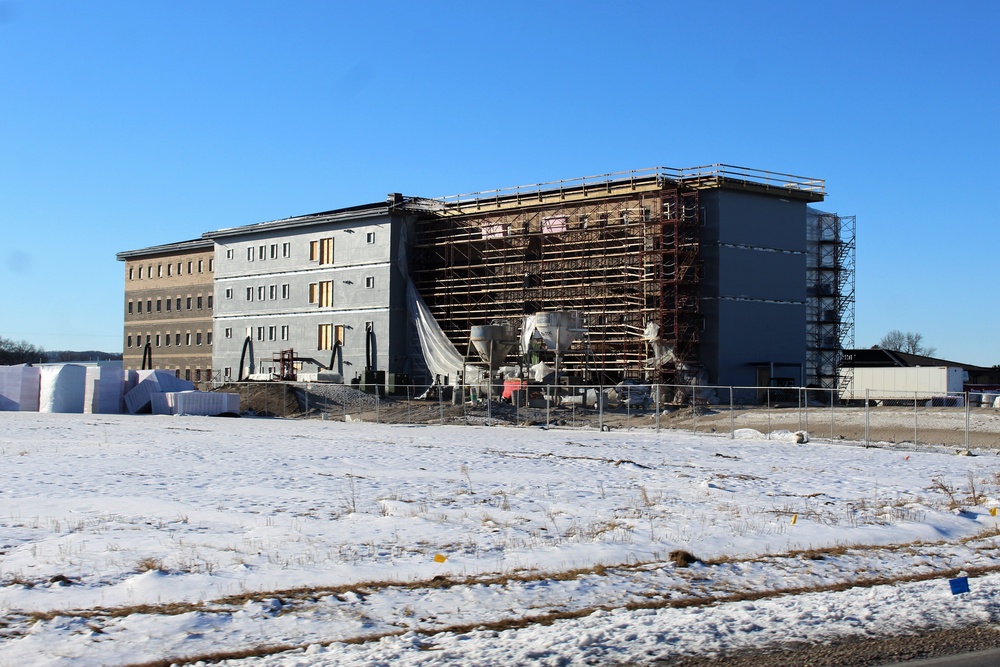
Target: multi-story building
715,275
321,286
168,308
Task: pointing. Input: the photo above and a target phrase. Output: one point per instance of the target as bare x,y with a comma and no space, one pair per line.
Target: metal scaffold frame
830,285
623,253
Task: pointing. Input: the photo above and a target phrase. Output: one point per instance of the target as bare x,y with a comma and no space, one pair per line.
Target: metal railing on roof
700,177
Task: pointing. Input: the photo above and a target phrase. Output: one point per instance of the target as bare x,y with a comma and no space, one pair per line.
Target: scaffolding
624,253
830,292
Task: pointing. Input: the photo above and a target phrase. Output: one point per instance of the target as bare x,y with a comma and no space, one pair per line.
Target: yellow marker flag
993,511
795,517
439,558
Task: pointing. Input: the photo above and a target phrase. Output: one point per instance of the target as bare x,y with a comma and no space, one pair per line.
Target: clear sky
126,124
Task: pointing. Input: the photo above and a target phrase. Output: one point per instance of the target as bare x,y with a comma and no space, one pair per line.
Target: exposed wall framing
623,253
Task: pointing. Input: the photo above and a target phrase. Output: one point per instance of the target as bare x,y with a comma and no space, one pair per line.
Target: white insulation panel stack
195,403
153,382
105,390
19,388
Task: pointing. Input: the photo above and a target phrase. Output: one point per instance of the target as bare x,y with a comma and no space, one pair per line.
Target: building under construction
699,275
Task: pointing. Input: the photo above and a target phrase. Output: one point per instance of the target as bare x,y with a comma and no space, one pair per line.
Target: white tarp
19,388
62,388
104,391
153,382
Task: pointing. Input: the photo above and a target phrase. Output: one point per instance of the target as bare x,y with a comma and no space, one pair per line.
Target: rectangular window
138,305
149,305
208,338
229,293
260,333
272,333
272,292
187,339
286,249
129,307
128,341
189,303
274,251
338,334
250,254
249,294
131,274
201,265
187,374
159,270
324,337
178,304
261,293
197,338
177,338
284,332
369,281
262,252
321,251
199,302
149,271
229,332
326,294
190,264
170,270
197,375
210,302
370,238
228,372
168,305
313,294
159,306
157,340
179,272
166,339
211,264
285,291
229,253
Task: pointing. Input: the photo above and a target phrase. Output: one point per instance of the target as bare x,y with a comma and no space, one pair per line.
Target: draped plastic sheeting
19,388
62,388
440,355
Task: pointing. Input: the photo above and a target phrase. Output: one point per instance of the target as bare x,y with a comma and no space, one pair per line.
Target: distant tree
909,342
19,352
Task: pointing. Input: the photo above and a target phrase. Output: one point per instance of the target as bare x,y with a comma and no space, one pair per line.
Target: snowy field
131,540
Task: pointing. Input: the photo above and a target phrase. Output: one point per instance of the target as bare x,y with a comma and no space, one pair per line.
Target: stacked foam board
105,390
195,403
19,388
139,399
62,388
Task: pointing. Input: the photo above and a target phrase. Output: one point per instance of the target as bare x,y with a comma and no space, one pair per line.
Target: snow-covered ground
128,539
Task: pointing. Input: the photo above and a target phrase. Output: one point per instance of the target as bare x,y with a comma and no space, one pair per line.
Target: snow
126,539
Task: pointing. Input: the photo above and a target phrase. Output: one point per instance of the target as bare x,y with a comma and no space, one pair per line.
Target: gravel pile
323,397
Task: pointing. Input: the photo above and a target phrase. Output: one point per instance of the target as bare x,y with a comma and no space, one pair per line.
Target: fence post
657,401
732,417
767,393
966,421
916,434
600,407
378,402
867,418
833,397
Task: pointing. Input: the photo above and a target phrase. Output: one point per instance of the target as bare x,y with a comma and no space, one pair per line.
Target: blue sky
125,124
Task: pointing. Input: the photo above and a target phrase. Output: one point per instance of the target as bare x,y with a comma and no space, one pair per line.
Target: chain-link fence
961,420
